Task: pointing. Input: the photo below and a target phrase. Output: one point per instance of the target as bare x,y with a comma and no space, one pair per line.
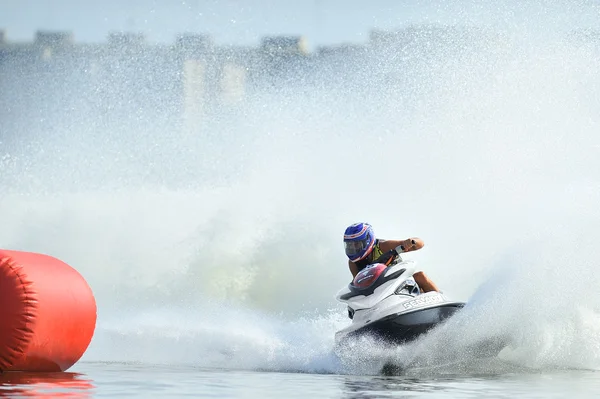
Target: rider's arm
401,246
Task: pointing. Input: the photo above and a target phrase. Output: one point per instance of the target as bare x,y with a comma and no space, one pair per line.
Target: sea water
215,259
144,380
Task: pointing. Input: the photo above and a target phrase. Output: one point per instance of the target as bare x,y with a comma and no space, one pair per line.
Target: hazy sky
246,21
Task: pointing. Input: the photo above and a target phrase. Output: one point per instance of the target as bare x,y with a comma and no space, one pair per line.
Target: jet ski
386,304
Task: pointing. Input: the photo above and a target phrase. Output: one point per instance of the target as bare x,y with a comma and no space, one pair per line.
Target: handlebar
387,257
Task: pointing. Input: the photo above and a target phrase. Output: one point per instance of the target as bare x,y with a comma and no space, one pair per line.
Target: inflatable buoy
47,313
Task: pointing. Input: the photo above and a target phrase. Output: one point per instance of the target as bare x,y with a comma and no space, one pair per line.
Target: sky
244,22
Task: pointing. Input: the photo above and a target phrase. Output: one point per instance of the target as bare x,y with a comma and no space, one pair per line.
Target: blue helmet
359,240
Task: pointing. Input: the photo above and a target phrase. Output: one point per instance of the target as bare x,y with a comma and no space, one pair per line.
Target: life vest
374,256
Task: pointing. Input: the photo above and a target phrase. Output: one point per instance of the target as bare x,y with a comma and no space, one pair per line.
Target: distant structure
128,76
54,39
194,95
47,44
284,46
189,82
196,52
126,40
281,59
193,45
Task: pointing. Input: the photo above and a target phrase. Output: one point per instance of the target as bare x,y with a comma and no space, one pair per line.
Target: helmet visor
354,248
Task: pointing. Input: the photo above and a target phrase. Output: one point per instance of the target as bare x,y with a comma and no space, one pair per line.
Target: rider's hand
407,245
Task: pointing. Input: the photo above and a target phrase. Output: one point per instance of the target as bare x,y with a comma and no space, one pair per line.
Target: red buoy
47,313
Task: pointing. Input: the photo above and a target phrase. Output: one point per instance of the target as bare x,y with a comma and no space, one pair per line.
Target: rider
363,249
